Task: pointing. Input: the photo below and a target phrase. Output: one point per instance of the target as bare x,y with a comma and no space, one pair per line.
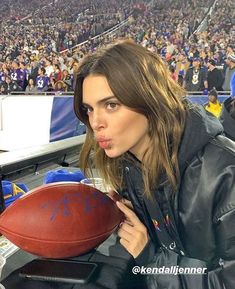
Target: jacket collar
200,128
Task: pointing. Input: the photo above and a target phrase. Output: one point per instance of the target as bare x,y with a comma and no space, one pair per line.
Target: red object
60,220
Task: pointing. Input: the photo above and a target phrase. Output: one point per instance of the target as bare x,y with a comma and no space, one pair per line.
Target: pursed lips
104,143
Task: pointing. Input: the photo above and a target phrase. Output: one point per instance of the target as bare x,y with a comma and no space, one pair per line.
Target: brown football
60,220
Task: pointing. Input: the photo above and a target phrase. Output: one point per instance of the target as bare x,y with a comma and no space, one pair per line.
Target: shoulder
223,143
206,195
189,70
219,154
215,158
227,117
209,178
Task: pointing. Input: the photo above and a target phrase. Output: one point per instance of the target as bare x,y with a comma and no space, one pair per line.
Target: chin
113,154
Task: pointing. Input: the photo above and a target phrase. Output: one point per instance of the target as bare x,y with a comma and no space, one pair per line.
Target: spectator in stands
60,86
67,79
49,69
31,88
213,106
56,74
230,49
182,65
161,153
229,72
33,70
17,74
173,74
214,76
196,77
42,80
9,86
2,78
74,66
25,75
3,72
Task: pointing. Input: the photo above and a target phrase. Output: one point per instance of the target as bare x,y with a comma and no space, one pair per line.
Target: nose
96,120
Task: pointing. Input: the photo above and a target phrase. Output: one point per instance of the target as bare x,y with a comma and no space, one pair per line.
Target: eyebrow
101,100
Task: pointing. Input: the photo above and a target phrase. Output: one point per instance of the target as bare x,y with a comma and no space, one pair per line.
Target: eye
112,105
86,109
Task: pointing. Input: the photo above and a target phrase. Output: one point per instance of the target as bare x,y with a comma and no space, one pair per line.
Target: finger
124,243
114,196
129,228
127,203
125,235
127,221
128,213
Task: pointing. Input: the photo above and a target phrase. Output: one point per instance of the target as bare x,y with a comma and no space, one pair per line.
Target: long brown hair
140,80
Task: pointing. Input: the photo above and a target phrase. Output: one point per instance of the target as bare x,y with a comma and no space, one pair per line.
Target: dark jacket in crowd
7,88
215,79
204,206
227,117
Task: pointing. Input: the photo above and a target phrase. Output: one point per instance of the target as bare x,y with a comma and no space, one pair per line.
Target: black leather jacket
227,117
204,206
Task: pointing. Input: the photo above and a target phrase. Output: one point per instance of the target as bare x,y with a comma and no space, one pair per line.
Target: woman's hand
133,234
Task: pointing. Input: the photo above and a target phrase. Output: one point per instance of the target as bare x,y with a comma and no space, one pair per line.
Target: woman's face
31,81
116,127
65,72
212,98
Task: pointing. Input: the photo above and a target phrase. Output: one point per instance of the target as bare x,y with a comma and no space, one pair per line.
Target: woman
159,151
67,79
213,105
60,86
31,88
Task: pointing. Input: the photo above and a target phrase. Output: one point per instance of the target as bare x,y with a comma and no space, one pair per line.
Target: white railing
109,31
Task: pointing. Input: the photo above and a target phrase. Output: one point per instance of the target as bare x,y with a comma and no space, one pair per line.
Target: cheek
127,132
121,127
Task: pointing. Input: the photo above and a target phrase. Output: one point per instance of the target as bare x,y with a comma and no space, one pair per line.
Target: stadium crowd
15,10
41,44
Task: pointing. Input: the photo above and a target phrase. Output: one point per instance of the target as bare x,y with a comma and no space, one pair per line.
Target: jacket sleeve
223,273
220,273
225,235
147,255
224,222
221,269
172,264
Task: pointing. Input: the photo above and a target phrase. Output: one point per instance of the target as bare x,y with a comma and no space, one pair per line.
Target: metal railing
21,159
107,32
71,93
